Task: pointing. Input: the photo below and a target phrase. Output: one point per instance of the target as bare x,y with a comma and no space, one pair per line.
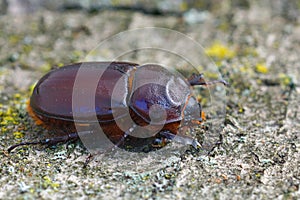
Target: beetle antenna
216,81
198,79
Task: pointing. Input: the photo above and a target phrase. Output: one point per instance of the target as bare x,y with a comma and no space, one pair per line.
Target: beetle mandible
50,104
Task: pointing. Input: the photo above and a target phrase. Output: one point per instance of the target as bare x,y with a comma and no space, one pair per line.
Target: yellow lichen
261,68
284,79
7,120
18,134
60,64
17,95
183,6
49,183
46,67
31,88
249,51
220,51
10,115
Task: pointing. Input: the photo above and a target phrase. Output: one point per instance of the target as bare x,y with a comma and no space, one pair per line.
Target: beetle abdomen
52,96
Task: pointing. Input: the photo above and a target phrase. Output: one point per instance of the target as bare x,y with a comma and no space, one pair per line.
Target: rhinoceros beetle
141,87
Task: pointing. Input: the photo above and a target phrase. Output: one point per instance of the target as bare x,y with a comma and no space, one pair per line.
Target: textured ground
255,47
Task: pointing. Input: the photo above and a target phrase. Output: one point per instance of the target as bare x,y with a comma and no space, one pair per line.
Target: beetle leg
60,139
159,142
126,133
22,144
73,140
91,156
198,79
48,142
182,139
216,145
88,160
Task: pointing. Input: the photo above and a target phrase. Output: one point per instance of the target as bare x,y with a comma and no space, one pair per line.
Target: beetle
147,96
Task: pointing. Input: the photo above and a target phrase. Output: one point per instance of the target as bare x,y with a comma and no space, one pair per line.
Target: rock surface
254,45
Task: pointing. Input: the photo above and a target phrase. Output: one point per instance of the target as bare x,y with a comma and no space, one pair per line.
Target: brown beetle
128,94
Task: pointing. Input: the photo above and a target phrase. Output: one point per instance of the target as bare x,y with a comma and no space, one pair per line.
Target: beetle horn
198,79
